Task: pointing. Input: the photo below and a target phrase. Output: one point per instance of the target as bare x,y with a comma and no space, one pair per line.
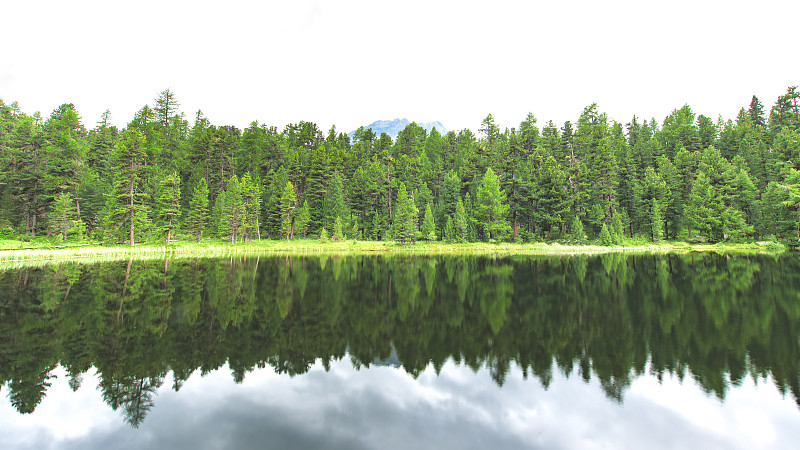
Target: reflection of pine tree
25,395
739,321
138,399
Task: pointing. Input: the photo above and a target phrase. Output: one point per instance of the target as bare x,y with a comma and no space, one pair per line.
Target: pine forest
163,177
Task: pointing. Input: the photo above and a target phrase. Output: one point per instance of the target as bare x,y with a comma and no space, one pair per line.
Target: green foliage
62,216
168,204
656,221
250,191
605,237
428,225
287,206
334,201
197,219
355,232
232,211
553,196
576,232
460,223
302,218
527,182
337,230
618,226
125,210
491,207
450,231
405,217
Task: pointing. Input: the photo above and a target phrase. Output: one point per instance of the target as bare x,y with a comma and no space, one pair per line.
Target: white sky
384,407
349,63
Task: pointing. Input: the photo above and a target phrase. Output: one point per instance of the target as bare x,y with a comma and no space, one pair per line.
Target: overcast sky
348,63
384,407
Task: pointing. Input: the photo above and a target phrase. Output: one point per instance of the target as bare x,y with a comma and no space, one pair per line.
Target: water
403,352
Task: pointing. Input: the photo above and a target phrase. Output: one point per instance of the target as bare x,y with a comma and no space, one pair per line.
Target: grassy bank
26,252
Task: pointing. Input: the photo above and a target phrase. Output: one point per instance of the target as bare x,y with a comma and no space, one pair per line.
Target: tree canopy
686,177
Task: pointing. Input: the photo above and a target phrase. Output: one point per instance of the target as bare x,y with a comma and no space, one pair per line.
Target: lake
609,351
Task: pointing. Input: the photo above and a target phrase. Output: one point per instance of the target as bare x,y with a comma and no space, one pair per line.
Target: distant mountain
392,127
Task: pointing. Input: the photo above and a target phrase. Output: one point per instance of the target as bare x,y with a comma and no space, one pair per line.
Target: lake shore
218,248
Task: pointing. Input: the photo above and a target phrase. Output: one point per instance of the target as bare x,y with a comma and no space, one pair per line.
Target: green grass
25,253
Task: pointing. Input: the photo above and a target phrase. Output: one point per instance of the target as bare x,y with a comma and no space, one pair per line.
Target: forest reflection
715,318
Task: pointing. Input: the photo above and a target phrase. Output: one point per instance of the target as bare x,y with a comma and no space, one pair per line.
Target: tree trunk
133,213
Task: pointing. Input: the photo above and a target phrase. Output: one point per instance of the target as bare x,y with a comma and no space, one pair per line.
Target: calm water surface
403,352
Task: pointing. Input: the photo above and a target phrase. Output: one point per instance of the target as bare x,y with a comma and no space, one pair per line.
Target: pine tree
460,223
232,210
552,194
302,218
576,232
251,206
335,205
491,207
287,205
125,204
428,225
656,221
405,217
197,219
449,230
319,173
337,230
168,203
62,216
272,197
355,232
618,225
65,151
605,237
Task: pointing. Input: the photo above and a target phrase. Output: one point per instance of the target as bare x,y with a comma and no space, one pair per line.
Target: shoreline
187,249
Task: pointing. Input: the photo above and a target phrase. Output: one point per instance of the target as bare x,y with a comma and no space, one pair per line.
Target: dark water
403,352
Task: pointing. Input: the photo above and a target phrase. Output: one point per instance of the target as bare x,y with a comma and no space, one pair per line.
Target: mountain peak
393,127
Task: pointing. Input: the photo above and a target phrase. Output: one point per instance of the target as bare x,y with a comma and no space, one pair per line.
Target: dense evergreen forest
689,177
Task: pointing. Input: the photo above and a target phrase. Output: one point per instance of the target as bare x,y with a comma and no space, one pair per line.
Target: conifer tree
605,236
460,223
232,210
405,217
287,205
617,229
337,230
335,205
197,219
251,206
125,204
576,231
62,216
656,221
428,225
302,218
491,207
552,194
449,230
168,203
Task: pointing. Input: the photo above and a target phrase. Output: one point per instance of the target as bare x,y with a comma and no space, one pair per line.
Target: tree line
688,177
